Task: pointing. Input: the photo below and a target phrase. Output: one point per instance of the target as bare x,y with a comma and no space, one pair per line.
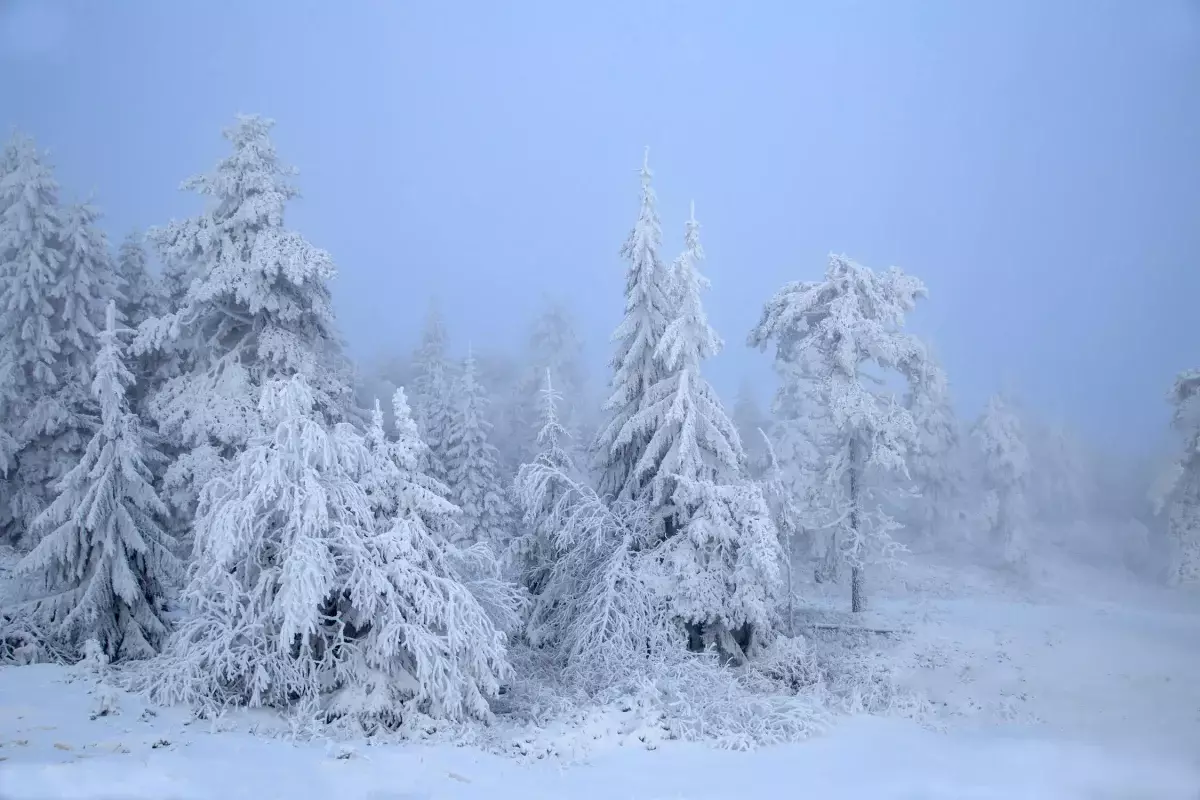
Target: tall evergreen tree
104,555
474,466
141,293
142,298
433,406
850,324
554,346
55,277
623,440
718,543
256,307
934,462
1181,491
691,437
1006,471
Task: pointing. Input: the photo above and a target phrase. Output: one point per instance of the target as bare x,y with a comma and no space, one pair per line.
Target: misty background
1036,164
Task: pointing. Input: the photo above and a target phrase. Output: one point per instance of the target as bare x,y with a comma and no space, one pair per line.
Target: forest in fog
200,488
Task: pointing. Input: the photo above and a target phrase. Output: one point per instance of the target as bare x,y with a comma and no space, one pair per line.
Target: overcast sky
1036,162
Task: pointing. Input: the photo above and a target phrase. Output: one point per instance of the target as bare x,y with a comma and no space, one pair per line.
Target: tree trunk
858,601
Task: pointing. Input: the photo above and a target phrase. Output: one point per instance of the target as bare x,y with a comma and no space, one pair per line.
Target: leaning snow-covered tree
1006,471
104,559
1180,489
622,442
433,387
851,323
601,611
934,463
474,467
256,307
305,595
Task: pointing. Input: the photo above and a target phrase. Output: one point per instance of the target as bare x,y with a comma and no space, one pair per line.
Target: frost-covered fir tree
934,462
724,568
851,324
104,558
1179,492
141,294
305,596
55,277
141,299
1006,471
256,307
8,444
474,466
555,346
433,388
532,551
692,439
622,441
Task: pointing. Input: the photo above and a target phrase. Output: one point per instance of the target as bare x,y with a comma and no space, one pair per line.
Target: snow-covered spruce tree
852,323
142,298
306,596
473,466
723,569
715,526
141,294
555,346
532,551
433,386
8,444
104,558
256,307
934,463
1179,492
1006,471
475,566
55,277
30,265
691,436
622,442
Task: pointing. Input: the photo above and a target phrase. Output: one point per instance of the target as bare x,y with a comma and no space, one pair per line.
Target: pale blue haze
1036,162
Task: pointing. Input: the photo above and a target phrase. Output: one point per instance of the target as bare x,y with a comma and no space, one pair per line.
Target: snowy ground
1088,690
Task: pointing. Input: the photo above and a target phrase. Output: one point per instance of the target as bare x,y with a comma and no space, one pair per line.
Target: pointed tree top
646,159
692,213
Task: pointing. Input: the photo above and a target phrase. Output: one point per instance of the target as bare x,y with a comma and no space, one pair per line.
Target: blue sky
1036,162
